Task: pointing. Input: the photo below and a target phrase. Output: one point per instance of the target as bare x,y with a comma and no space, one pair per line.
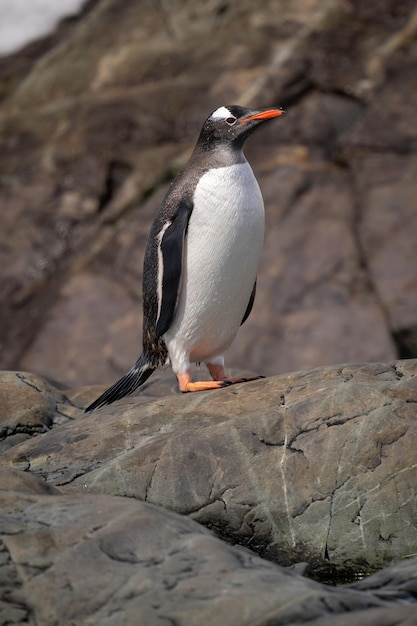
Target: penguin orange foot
211,224
218,372
220,379
186,384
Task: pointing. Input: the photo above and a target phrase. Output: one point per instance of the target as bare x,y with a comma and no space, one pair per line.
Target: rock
395,579
315,467
29,405
108,560
91,139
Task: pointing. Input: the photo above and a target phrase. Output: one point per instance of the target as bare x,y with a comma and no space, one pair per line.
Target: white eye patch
221,114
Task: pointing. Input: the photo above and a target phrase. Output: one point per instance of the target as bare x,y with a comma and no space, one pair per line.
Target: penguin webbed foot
187,385
218,372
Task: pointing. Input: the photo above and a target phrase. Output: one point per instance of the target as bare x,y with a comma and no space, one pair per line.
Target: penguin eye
231,120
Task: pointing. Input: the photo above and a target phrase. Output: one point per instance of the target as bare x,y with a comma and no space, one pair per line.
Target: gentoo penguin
201,259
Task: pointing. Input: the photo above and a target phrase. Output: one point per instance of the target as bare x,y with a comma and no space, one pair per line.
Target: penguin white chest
222,251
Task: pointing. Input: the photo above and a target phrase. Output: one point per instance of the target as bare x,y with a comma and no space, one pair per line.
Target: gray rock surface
315,466
82,558
29,405
97,119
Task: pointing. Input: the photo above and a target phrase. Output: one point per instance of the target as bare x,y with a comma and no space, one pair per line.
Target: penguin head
233,124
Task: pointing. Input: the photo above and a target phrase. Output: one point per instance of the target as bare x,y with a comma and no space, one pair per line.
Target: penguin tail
134,378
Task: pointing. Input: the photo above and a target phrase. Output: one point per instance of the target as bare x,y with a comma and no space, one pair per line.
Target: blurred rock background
98,116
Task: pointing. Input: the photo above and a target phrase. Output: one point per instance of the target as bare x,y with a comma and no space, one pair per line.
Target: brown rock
28,406
91,137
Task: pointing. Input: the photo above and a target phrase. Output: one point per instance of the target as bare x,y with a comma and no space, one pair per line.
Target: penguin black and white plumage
202,258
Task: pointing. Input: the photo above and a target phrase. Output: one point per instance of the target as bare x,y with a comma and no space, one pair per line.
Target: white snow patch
23,21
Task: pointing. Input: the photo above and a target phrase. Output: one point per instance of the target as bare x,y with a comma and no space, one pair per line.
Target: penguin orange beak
263,115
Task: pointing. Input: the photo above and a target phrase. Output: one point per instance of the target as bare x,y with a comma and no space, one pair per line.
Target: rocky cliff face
96,119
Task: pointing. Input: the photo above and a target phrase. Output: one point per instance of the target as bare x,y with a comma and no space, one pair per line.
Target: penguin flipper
126,385
250,304
171,249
